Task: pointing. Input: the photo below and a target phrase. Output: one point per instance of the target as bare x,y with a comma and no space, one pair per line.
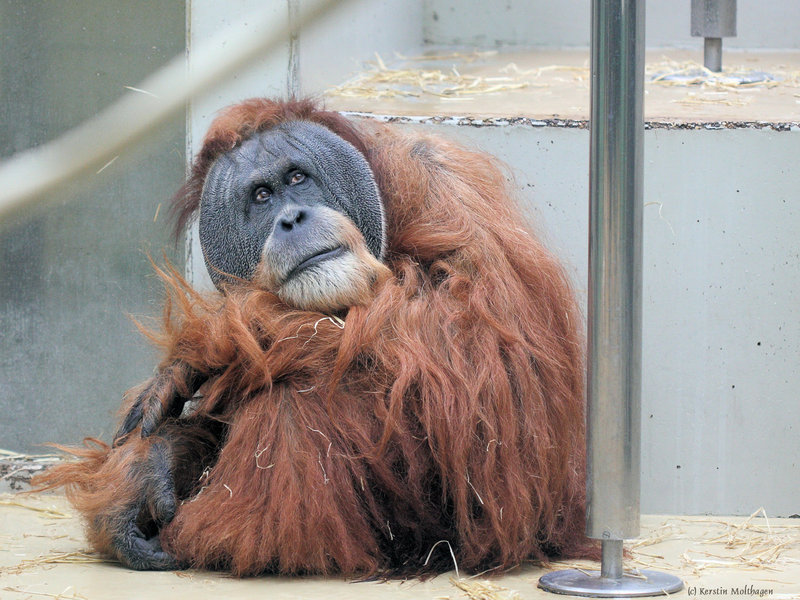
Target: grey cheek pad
228,245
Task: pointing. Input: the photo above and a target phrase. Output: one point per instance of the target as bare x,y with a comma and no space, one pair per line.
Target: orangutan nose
291,220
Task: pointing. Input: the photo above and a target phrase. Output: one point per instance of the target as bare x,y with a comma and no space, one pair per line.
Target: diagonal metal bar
25,176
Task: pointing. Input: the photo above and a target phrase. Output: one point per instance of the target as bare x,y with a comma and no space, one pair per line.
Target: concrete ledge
552,87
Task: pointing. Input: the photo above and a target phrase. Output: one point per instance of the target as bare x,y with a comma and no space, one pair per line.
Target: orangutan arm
154,497
128,494
160,398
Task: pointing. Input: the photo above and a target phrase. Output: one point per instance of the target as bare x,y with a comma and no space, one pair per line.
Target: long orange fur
448,406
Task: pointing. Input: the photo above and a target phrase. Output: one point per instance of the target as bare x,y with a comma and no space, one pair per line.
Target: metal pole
713,20
615,269
712,54
615,301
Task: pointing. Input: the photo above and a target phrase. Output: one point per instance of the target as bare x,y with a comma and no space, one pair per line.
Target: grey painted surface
332,51
565,23
722,325
73,273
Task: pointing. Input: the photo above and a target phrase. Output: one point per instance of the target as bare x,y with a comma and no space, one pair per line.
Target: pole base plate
579,583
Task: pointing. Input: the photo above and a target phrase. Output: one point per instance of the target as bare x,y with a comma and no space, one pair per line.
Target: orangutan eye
261,195
296,177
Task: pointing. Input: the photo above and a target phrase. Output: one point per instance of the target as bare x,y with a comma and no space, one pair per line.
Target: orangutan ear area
446,404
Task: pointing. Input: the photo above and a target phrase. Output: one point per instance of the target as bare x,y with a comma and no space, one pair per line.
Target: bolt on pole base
610,582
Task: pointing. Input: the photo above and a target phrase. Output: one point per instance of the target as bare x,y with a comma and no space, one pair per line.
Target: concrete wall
71,274
721,321
566,23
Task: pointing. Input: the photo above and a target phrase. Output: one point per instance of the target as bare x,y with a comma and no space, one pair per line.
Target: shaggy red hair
450,407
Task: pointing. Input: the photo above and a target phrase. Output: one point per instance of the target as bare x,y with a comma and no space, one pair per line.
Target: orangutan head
295,209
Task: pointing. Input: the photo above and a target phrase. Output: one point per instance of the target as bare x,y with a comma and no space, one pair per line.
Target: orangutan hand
160,398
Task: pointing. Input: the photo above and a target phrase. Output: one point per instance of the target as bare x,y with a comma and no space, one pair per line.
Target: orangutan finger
141,554
161,498
132,420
